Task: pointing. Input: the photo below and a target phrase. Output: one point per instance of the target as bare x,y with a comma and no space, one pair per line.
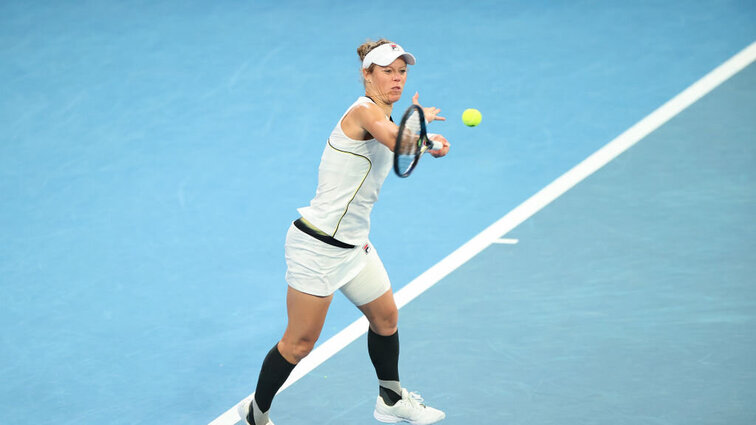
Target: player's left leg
383,345
371,292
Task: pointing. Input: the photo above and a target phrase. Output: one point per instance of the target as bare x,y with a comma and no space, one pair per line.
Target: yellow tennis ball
471,117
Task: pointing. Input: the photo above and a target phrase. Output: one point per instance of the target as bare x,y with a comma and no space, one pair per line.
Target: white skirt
319,269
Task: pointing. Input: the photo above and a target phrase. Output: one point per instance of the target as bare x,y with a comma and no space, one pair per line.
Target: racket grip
435,145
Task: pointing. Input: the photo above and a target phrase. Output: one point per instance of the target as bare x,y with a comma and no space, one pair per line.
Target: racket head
410,141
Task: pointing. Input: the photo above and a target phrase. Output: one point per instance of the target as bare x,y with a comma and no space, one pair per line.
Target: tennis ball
471,117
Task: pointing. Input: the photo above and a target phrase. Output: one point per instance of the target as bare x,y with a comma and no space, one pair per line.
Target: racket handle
434,145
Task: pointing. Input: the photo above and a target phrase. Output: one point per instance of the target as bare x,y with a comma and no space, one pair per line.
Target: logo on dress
366,248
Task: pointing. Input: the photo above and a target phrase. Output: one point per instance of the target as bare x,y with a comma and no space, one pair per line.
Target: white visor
386,54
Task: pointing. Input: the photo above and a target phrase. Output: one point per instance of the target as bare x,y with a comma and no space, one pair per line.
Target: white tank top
350,177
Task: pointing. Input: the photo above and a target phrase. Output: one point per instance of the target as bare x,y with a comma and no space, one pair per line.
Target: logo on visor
366,248
394,47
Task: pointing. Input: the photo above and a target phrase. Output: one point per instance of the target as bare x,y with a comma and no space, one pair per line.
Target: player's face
388,81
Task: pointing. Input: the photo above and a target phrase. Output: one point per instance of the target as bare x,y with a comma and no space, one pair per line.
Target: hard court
153,155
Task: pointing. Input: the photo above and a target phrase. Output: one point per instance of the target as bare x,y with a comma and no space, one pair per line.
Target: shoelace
416,398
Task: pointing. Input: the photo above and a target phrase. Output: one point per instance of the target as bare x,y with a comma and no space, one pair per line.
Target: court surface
153,155
628,300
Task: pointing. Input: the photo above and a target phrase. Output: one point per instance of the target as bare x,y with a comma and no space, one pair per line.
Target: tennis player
327,249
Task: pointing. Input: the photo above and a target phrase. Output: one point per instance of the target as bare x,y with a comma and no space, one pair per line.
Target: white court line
524,211
507,241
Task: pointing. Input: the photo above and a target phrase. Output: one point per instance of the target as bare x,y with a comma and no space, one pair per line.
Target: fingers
432,114
440,152
443,150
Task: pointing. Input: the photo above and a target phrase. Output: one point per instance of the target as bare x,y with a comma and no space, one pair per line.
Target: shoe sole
390,419
387,419
243,411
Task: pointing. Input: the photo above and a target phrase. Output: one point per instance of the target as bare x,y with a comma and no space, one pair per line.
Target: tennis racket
412,141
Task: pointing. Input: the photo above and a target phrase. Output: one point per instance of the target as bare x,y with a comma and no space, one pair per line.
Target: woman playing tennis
327,249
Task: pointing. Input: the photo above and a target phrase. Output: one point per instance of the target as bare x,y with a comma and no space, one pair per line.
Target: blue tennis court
153,155
628,300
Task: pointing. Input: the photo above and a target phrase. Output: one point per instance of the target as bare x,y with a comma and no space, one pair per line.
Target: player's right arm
367,121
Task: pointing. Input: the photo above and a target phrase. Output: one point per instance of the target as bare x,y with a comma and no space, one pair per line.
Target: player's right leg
306,315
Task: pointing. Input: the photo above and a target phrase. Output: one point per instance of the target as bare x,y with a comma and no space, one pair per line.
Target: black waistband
299,224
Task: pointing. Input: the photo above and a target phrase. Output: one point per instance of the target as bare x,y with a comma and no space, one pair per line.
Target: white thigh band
369,284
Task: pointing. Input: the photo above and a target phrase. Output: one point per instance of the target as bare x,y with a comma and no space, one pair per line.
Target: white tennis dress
350,177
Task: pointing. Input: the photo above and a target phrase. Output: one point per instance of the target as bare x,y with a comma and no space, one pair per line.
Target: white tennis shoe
243,409
409,409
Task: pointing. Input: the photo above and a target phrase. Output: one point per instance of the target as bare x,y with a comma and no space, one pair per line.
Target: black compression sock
275,369
390,397
384,353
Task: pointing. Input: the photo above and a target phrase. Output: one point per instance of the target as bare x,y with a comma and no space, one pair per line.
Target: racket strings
409,142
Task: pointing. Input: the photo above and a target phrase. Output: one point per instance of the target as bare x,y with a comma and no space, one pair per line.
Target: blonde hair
367,46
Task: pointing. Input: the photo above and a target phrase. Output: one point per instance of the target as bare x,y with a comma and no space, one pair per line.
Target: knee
295,350
385,324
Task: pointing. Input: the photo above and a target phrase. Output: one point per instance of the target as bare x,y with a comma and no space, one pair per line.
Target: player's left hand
431,114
